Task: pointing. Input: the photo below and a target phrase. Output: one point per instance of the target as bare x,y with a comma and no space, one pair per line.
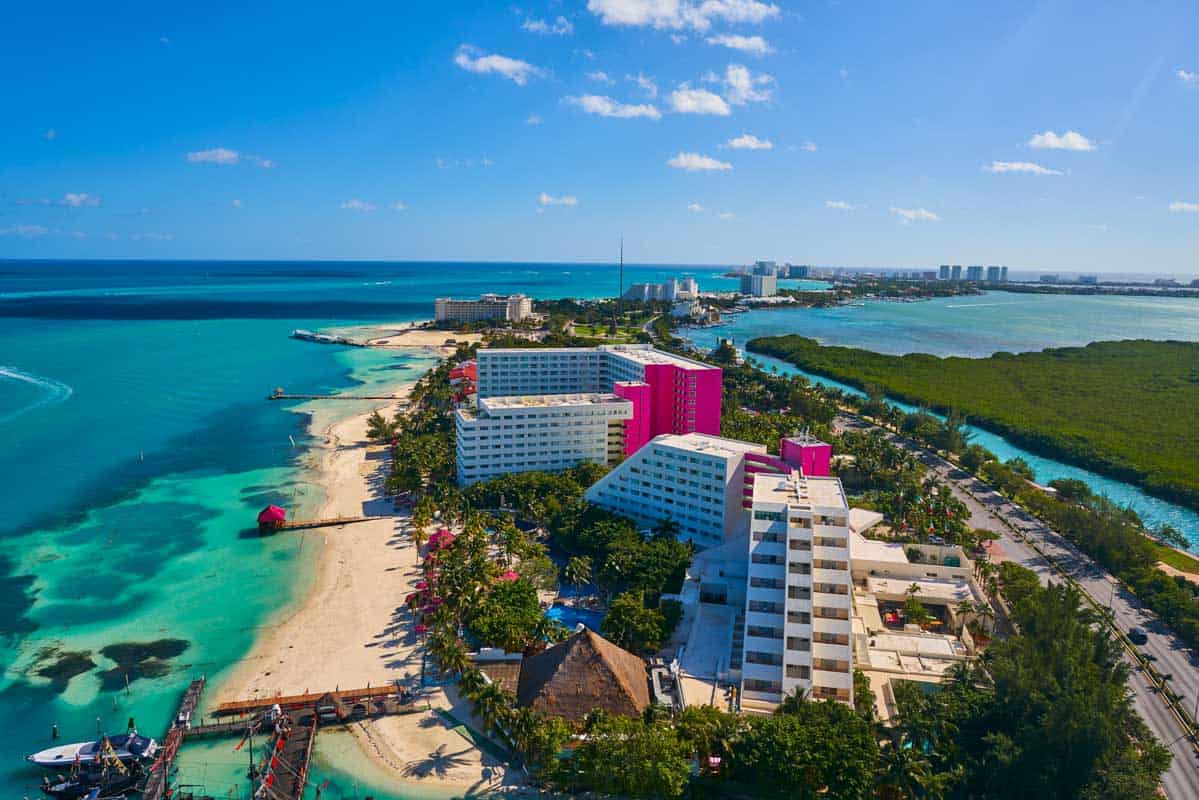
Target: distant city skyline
1032,135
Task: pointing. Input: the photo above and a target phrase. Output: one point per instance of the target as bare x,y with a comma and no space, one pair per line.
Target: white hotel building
694,479
799,593
551,432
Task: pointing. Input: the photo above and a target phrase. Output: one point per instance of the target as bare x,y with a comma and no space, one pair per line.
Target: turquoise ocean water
137,447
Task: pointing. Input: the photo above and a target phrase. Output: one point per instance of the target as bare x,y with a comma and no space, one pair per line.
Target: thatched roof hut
581,674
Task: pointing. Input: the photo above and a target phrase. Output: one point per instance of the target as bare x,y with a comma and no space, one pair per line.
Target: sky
1043,135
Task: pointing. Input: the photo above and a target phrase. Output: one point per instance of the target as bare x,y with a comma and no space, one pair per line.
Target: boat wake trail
52,391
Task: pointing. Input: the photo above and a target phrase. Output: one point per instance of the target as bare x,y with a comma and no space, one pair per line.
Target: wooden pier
299,524
283,772
160,772
286,396
368,698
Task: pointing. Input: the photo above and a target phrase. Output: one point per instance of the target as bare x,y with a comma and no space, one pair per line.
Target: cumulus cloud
79,200
1019,166
694,162
1188,77
1070,140
695,207
742,86
1181,207
472,59
25,231
808,147
235,203
915,214
564,200
226,157
680,14
747,141
746,44
217,155
50,135
727,215
645,83
840,205
685,100
599,76
607,107
559,27
399,207
357,205
533,119
152,237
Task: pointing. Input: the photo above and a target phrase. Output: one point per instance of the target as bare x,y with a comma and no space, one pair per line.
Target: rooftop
549,400
706,443
646,354
797,490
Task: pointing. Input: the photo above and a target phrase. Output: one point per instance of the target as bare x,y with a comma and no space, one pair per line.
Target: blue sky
1044,135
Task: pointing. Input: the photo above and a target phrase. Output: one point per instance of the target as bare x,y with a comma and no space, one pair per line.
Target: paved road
989,510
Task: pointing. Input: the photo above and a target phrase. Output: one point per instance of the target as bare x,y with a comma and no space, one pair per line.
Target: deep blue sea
136,446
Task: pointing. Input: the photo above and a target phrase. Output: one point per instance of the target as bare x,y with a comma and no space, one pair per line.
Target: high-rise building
798,271
672,290
943,272
994,274
757,285
955,273
974,273
1003,274
798,598
1048,278
508,307
698,481
765,268
669,393
499,435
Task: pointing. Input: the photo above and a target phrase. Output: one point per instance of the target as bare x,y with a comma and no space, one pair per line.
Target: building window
799,644
773,516
799,617
824,637
770,659
799,672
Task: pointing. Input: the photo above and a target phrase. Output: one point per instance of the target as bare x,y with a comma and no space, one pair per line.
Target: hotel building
799,594
696,480
499,435
672,290
669,393
507,307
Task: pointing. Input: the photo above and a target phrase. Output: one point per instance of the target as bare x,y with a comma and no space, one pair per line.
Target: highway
989,511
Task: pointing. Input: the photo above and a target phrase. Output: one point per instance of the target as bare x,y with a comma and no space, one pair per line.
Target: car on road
1138,636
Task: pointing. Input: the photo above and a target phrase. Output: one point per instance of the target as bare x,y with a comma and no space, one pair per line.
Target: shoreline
348,627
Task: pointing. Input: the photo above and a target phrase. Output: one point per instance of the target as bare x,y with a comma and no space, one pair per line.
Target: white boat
128,747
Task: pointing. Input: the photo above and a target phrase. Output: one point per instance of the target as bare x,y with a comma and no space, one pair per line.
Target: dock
283,772
364,702
299,524
287,396
160,772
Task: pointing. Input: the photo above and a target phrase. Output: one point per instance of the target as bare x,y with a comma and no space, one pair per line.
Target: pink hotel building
668,393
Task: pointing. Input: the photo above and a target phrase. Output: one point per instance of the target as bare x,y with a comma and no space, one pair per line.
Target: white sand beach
351,629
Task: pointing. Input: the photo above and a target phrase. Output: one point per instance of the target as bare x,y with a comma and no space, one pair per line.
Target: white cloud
564,200
746,44
645,83
680,14
587,54
915,214
694,162
1070,140
217,155
599,76
487,162
265,163
235,203
398,207
25,231
1187,77
840,205
1181,207
164,40
559,27
844,73
808,147
79,200
607,107
685,100
50,135
357,205
152,237
472,59
695,207
533,119
727,215
747,141
742,86
1019,166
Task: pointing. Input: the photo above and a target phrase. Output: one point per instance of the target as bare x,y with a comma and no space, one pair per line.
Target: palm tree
494,705
906,773
964,609
577,571
470,683
792,702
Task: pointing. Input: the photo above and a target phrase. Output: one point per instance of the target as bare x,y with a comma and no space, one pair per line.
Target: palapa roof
581,674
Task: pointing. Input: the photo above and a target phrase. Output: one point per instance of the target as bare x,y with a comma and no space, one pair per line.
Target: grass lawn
1180,561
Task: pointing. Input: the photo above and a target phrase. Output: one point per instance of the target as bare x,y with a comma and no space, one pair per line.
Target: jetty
160,770
273,518
281,395
337,704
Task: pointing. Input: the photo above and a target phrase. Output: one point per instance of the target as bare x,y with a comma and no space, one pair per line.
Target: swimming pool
570,616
